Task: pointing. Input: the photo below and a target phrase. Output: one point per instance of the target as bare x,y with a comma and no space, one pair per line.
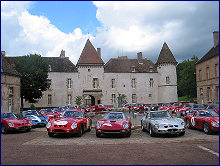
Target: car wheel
206,128
152,133
128,134
80,131
98,135
188,125
142,127
4,130
50,134
182,133
28,129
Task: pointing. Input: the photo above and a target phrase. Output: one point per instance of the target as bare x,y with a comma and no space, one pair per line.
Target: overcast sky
118,28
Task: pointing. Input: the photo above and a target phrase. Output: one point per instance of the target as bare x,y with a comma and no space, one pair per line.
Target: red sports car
100,107
207,120
9,122
138,107
186,107
176,107
49,113
72,122
114,123
85,107
214,107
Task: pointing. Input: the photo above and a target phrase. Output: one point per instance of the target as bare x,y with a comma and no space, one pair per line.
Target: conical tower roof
89,55
166,55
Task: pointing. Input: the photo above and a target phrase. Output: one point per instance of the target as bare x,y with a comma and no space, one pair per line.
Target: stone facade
207,75
10,87
140,80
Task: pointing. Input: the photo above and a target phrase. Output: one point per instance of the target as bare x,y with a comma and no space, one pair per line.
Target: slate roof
8,68
214,51
89,55
166,55
124,65
57,64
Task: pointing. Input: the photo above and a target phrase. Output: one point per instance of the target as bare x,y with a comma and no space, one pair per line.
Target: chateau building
207,72
140,80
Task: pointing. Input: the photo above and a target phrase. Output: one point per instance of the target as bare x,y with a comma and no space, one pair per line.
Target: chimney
62,54
216,38
139,57
99,51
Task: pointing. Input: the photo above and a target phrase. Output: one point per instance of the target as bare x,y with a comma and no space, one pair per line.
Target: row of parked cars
73,120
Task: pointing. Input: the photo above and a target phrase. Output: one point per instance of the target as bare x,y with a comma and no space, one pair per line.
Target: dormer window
133,69
150,69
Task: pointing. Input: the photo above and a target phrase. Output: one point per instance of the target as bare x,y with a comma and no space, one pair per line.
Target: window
133,98
209,94
201,95
69,99
207,73
113,99
49,67
133,69
49,84
49,99
200,75
10,91
216,70
151,83
217,89
95,82
167,80
133,83
113,83
151,69
150,95
69,83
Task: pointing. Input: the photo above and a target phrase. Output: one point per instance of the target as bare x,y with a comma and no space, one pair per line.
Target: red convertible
72,122
49,113
114,123
207,120
9,122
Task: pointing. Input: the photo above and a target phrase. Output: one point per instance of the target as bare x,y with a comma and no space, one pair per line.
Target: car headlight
98,125
48,125
125,126
214,124
157,126
74,125
183,123
11,125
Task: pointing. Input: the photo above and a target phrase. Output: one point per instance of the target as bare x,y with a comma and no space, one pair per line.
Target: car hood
173,121
213,118
16,120
112,124
35,117
63,121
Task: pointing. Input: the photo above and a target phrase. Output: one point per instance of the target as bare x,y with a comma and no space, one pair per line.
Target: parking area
36,147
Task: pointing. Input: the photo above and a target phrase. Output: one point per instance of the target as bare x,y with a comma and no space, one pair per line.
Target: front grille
112,131
60,125
175,125
58,130
172,129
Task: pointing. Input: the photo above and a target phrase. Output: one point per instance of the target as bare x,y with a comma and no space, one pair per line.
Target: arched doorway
92,100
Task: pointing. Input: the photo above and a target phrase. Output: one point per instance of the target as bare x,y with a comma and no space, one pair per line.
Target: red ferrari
9,122
207,120
72,122
114,123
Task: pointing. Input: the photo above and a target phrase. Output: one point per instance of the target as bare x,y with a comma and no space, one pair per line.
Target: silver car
161,122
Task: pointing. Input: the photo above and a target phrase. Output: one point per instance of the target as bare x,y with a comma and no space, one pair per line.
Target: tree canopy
34,77
186,77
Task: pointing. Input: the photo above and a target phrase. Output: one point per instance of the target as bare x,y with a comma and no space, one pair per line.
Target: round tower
167,77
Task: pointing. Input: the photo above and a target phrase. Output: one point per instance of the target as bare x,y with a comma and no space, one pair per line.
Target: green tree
186,77
78,100
33,70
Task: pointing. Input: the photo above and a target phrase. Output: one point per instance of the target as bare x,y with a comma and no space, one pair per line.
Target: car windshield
30,112
213,107
115,116
72,107
153,105
127,104
160,114
46,111
198,106
84,106
176,104
75,114
166,104
207,113
100,105
187,105
139,105
7,115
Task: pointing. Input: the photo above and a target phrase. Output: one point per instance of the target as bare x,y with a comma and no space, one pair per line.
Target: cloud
143,26
24,33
